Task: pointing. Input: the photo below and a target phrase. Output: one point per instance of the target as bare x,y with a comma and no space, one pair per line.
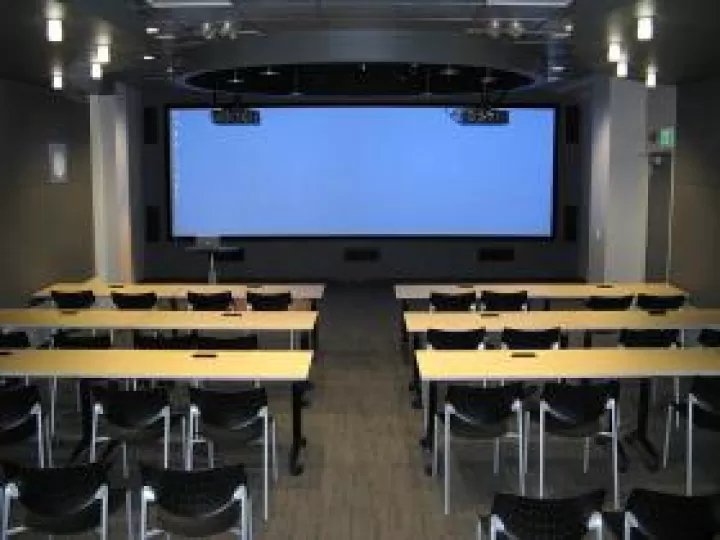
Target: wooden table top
179,290
157,364
689,318
570,291
566,363
121,319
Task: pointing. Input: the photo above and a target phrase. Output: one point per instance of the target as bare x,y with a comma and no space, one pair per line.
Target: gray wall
400,259
45,229
695,256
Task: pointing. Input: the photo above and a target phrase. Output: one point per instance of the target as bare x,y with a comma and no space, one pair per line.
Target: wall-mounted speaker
495,254
150,125
361,255
572,124
570,223
152,224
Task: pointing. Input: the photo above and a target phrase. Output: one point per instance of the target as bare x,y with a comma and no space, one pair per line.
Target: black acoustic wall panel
150,125
570,223
152,224
572,124
495,254
361,255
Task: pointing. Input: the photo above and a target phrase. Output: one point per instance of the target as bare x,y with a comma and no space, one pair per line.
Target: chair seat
78,522
479,431
702,419
663,516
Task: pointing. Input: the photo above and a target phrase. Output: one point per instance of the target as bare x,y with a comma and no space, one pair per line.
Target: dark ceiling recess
352,79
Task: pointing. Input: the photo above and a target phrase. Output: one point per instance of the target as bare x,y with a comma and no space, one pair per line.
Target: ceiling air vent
530,3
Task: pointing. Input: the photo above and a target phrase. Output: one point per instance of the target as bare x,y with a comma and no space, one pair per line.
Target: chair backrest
649,338
610,303
452,301
16,418
235,343
709,337
59,500
65,340
219,301
269,301
228,410
132,410
455,339
485,405
73,299
196,503
146,300
707,392
576,405
14,340
504,301
566,519
653,302
665,515
513,338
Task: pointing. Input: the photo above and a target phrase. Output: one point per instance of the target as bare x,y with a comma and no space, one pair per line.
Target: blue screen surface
362,171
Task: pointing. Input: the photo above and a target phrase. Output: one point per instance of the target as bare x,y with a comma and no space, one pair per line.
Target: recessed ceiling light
645,28
651,76
494,28
56,81
622,68
148,57
269,72
557,68
152,30
103,54
615,52
54,30
569,27
96,71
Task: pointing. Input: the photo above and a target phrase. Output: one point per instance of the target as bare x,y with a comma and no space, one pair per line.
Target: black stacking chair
605,303
73,299
480,414
239,416
219,301
452,301
455,339
661,516
652,302
131,417
504,301
514,339
701,411
269,301
557,519
578,412
197,504
709,338
22,419
59,501
235,343
146,300
14,340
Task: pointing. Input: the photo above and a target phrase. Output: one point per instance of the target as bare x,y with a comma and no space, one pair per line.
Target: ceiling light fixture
494,28
102,55
615,52
148,57
645,28
56,78
55,30
651,76
96,71
269,72
622,68
152,30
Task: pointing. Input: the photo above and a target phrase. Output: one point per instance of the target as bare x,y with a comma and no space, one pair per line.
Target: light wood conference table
541,291
122,319
264,366
480,365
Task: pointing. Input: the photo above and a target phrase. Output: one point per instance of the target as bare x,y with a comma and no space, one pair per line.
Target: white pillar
114,123
619,182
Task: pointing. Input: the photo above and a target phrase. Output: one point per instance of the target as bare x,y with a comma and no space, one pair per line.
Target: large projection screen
358,171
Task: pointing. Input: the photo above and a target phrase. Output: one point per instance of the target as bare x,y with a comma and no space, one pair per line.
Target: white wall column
114,124
619,181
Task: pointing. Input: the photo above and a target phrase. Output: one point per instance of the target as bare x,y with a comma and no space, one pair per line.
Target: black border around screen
330,237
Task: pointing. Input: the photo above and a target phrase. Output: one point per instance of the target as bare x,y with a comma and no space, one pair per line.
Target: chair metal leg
53,404
128,512
143,515
616,480
521,456
446,470
211,453
689,450
435,454
5,515
496,456
666,445
104,516
526,449
274,450
166,439
586,455
478,530
676,400
542,450
93,436
266,481
40,441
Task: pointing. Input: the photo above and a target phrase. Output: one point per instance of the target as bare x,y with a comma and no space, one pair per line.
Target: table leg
298,441
638,438
212,274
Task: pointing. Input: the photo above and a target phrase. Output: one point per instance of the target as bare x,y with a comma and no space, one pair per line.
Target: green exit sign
666,137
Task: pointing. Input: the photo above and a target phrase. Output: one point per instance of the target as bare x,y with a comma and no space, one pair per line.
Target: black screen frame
554,218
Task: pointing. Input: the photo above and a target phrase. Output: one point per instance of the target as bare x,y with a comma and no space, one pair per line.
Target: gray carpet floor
364,469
